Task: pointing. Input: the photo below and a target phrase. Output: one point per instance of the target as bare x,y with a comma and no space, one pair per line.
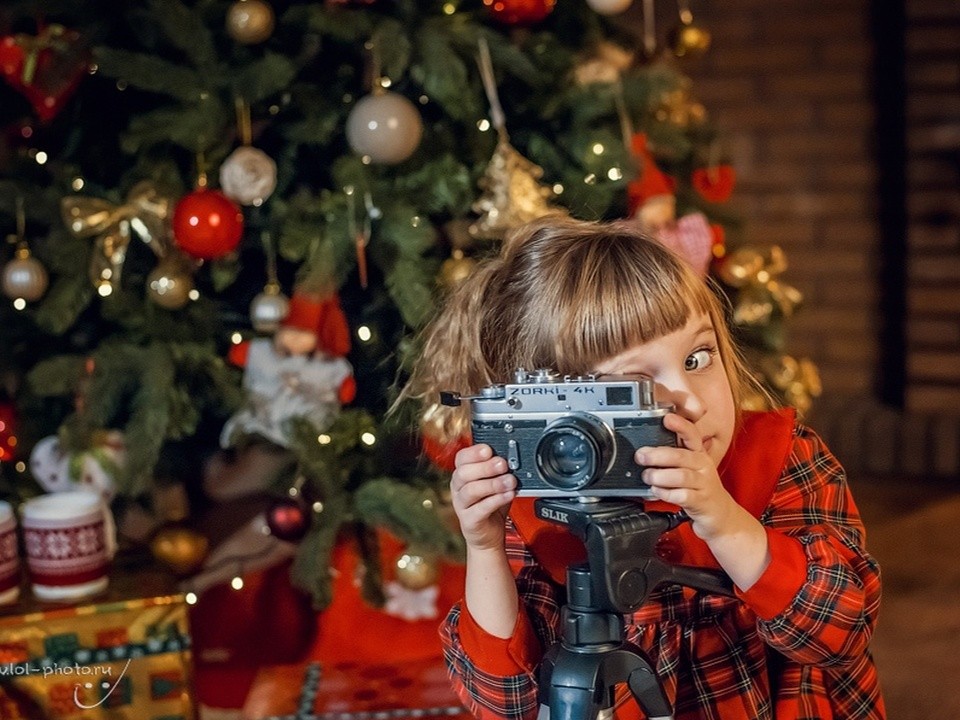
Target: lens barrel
574,452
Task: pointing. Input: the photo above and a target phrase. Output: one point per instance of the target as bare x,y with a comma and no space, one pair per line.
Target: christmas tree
173,170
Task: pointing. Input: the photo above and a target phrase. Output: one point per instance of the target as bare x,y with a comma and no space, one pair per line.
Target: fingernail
507,483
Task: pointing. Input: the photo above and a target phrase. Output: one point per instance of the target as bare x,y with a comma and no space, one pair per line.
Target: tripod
579,673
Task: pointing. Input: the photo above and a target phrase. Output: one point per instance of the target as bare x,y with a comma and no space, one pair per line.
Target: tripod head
579,673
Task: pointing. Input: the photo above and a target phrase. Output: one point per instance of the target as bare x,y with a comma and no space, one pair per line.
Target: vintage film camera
571,436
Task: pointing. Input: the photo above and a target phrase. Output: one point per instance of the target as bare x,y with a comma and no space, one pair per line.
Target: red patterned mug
70,539
9,556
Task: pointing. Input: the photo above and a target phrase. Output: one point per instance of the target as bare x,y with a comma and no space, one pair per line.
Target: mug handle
109,529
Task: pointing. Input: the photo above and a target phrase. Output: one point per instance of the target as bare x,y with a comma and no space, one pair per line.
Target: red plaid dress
792,647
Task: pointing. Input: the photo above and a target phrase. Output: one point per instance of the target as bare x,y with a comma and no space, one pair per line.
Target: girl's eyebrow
707,327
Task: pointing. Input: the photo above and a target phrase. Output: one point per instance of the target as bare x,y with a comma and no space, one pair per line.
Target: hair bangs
616,294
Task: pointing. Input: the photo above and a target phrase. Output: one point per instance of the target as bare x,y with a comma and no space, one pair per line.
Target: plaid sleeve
830,619
496,678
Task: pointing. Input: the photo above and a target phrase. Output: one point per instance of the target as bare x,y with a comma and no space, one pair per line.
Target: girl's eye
698,360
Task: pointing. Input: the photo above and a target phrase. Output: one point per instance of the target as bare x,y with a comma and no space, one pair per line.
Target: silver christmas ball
609,7
24,278
384,126
268,309
248,176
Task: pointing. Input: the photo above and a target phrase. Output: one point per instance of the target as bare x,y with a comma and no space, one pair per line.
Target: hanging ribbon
360,232
145,212
51,37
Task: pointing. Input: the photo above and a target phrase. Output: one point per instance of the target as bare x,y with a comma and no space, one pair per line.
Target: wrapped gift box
116,660
351,691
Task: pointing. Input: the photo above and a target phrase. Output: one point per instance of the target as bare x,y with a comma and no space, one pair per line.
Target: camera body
571,436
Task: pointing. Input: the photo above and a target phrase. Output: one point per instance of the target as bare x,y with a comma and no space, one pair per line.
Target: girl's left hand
686,476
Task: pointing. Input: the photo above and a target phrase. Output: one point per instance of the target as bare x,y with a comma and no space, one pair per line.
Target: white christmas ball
609,7
248,176
24,278
384,126
267,310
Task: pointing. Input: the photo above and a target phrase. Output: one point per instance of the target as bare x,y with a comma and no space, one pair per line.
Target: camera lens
573,452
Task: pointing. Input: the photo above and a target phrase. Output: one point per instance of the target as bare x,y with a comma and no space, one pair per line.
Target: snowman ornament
58,471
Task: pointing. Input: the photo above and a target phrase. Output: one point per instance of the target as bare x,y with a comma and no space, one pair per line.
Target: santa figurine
300,372
653,205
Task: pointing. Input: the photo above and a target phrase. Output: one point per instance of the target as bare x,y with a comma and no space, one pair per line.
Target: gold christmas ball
250,21
169,286
689,41
416,572
456,269
181,549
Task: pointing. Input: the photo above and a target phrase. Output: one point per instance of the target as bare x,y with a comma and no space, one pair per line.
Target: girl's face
688,372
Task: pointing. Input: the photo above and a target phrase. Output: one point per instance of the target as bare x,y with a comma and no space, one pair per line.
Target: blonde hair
562,294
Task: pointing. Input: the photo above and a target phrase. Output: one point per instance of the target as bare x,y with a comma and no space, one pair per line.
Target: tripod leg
573,703
648,691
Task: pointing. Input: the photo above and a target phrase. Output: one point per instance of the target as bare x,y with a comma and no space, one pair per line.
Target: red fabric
713,653
350,628
324,318
442,454
305,313
369,660
238,353
334,335
347,391
266,621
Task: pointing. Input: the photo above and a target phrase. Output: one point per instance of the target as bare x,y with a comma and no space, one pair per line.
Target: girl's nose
687,403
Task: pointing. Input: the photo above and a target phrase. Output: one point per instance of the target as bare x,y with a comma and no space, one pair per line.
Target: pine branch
151,73
408,512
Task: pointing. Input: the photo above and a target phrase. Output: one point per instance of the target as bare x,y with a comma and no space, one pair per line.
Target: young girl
768,502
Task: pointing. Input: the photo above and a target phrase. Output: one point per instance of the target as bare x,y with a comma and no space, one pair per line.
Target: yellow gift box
121,660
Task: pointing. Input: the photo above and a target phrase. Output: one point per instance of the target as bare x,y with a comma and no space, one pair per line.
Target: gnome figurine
653,205
299,373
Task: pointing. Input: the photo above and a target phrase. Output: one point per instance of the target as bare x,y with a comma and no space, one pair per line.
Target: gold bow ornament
145,212
753,273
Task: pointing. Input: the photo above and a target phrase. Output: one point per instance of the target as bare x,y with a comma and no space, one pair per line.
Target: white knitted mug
70,539
9,556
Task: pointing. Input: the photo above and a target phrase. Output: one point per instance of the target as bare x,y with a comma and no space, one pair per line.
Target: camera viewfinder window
622,395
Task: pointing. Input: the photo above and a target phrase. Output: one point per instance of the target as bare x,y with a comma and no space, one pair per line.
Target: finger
486,507
473,492
663,456
674,496
686,431
668,478
476,471
473,454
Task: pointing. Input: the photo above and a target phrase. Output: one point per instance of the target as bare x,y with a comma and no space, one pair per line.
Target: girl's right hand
481,490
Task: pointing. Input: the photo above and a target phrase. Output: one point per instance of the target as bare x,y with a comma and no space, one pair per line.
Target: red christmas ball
288,520
207,224
519,12
8,430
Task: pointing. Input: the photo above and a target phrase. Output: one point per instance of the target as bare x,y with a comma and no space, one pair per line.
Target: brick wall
933,205
791,85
